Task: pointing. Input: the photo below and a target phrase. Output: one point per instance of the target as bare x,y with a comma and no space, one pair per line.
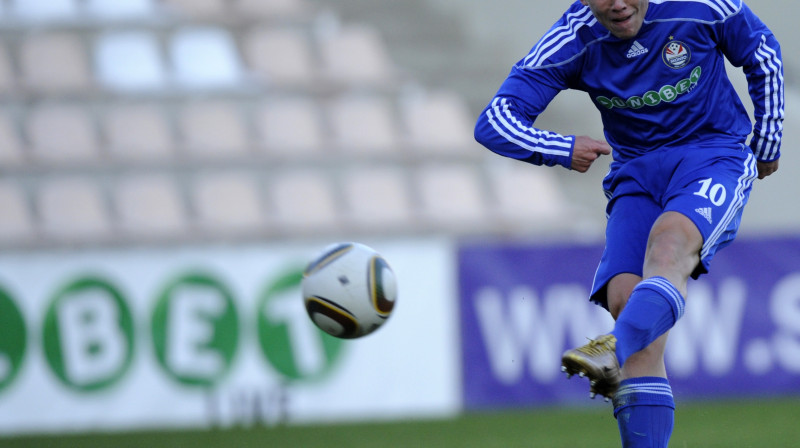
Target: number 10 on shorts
713,192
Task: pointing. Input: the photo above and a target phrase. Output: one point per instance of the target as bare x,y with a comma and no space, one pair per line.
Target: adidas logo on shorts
705,212
636,49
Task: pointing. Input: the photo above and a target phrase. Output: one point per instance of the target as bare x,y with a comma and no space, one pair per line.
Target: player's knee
673,245
662,255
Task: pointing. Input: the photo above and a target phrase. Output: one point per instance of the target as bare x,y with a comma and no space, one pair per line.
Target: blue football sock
653,308
645,412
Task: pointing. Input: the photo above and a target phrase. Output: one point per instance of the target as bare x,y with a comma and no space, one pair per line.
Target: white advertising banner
214,336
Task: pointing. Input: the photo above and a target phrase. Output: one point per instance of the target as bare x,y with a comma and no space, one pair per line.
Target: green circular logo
13,339
88,334
635,102
668,93
605,102
289,341
694,77
652,98
195,329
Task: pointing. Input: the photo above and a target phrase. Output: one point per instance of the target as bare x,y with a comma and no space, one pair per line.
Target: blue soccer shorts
708,185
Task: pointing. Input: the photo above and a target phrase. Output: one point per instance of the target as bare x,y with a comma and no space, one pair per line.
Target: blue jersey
664,88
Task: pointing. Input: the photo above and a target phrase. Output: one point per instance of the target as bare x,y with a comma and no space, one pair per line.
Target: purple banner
523,305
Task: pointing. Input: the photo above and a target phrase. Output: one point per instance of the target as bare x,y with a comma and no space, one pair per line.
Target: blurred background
149,121
141,139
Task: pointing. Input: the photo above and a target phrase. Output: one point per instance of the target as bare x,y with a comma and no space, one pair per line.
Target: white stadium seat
378,199
150,205
138,132
280,56
130,61
356,55
44,10
7,78
438,121
17,225
278,9
197,8
303,202
54,62
11,147
291,127
214,129
120,9
62,134
228,203
73,210
363,124
527,196
205,58
452,197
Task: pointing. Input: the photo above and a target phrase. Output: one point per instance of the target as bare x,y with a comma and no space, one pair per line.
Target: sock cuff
643,391
666,289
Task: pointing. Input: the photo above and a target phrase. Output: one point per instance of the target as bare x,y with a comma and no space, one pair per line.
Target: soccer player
681,173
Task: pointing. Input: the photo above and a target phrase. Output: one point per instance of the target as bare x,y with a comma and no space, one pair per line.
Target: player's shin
653,308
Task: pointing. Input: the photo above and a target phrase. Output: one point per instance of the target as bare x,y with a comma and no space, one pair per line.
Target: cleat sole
603,379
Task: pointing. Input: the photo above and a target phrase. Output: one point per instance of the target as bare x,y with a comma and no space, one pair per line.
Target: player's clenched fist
586,151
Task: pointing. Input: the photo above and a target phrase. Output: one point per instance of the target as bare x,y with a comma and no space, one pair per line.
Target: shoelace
599,346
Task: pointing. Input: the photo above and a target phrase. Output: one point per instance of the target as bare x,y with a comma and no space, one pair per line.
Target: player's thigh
629,222
673,248
713,196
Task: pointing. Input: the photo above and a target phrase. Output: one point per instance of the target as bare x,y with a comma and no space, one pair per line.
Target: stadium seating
212,129
54,62
355,55
150,207
18,224
11,150
364,125
138,133
304,202
228,204
62,134
73,210
204,120
7,80
290,127
378,200
280,56
452,197
114,52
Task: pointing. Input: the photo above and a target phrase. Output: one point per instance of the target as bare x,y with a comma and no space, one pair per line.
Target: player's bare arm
586,151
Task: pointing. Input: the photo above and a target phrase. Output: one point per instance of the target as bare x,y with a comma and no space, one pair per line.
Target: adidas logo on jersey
636,49
705,212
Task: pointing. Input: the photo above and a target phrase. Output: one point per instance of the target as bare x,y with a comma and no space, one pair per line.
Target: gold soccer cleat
597,361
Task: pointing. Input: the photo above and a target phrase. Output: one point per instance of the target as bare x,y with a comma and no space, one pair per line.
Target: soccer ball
349,290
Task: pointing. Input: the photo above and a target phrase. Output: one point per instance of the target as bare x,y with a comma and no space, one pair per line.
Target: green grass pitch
740,424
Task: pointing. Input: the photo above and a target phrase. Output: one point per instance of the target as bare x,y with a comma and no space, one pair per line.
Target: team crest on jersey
676,54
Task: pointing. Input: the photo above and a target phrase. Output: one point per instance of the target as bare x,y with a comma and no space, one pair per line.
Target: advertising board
214,337
523,305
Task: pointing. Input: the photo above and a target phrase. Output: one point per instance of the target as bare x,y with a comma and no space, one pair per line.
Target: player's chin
624,33
627,29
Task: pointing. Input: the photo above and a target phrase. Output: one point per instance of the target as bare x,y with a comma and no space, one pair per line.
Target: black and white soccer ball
349,290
